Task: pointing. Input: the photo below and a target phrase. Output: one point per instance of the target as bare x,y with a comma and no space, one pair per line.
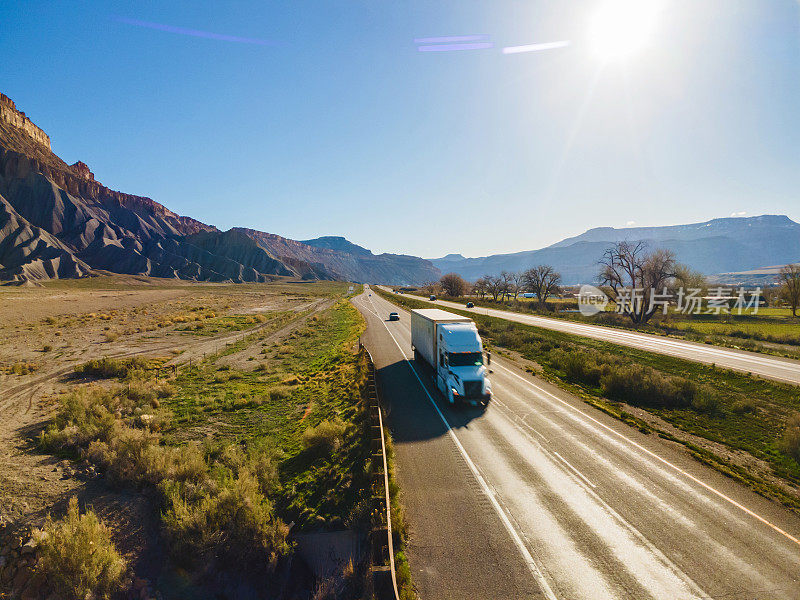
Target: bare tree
430,287
506,279
494,285
789,278
633,274
543,281
453,285
515,284
479,287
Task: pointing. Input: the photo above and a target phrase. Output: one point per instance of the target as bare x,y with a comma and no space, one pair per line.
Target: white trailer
450,344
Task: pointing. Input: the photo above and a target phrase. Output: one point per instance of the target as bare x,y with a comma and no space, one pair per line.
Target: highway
542,496
771,367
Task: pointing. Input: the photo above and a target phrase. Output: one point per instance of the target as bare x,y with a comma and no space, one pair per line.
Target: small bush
741,407
325,437
47,348
790,442
135,456
78,556
23,368
107,368
706,402
279,393
236,526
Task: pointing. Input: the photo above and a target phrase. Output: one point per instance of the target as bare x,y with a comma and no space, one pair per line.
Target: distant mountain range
712,247
57,221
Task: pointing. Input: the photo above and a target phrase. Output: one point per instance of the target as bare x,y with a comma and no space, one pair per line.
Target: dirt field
46,331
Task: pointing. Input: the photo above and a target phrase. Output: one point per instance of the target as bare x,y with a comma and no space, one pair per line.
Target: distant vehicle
470,305
451,345
432,297
393,316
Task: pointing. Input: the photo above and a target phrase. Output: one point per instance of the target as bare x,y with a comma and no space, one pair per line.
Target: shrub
279,393
47,348
790,443
135,456
23,368
325,437
638,386
705,402
741,407
84,415
578,366
107,368
236,525
78,556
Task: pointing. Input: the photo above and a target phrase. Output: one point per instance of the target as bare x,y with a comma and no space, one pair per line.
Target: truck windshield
465,359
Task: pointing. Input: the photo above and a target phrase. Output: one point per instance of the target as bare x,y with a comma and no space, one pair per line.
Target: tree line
543,281
625,266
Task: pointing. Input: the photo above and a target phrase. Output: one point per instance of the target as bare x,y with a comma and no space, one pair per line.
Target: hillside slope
57,221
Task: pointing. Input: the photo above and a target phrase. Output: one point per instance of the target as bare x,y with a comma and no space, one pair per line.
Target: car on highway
393,316
470,305
432,297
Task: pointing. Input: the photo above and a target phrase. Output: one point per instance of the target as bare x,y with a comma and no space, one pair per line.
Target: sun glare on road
621,28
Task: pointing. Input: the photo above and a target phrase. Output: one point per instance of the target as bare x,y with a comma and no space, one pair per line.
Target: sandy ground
46,331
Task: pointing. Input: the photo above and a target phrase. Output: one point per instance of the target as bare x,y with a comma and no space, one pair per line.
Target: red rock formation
81,169
18,119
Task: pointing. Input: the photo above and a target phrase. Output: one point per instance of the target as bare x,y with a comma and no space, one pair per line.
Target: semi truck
450,344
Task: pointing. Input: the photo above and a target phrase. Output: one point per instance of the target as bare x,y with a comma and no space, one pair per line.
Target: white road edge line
526,555
574,470
657,457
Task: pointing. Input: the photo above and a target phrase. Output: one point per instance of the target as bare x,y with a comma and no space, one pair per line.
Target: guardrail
383,499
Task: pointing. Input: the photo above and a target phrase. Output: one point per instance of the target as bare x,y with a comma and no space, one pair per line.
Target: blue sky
327,120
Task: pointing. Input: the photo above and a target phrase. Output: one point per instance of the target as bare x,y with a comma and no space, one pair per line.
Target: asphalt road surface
542,496
772,367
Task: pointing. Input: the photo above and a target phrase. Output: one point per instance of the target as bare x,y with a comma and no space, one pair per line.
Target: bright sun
620,28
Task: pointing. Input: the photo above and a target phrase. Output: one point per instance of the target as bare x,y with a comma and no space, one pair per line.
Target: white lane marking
658,458
574,470
521,420
523,549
